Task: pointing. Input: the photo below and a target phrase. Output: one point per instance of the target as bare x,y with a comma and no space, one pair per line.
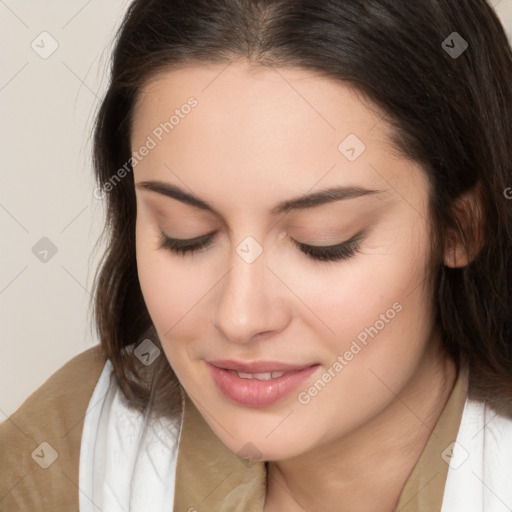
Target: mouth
265,384
258,366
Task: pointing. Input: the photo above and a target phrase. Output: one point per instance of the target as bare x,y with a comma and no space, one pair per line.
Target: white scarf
480,473
128,461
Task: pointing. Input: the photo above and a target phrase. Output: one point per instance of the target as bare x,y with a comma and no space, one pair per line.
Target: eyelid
184,242
186,247
316,254
353,239
188,241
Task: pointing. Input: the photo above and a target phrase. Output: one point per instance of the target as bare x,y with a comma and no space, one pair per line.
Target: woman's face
244,141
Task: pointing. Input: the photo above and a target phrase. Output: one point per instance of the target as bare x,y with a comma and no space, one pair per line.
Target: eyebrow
303,202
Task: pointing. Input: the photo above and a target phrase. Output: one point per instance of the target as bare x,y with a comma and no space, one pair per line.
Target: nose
252,302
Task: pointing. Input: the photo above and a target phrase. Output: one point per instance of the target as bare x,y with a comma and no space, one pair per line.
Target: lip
259,393
258,366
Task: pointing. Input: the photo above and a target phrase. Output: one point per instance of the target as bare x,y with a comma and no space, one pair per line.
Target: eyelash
325,254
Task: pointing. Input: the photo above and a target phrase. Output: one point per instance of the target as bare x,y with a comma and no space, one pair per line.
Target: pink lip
258,393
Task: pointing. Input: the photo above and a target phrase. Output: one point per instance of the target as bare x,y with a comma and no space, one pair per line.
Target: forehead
267,96
285,128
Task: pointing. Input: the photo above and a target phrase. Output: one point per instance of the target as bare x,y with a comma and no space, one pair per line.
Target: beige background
47,109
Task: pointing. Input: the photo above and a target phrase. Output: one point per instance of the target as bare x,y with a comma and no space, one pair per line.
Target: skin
257,137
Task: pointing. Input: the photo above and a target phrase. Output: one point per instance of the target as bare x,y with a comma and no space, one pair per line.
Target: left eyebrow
303,202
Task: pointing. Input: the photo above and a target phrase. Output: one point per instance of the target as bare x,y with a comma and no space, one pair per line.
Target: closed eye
338,252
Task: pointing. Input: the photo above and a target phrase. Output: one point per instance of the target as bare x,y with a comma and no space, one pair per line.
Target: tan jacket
40,450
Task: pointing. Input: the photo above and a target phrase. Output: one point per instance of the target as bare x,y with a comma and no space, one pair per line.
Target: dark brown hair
452,114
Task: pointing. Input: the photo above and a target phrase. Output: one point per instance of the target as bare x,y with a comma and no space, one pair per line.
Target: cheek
386,317
165,289
374,312
342,299
175,292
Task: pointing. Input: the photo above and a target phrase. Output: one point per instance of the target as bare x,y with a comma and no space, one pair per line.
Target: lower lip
258,393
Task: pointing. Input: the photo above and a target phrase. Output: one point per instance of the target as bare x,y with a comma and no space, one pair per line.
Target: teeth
244,375
260,376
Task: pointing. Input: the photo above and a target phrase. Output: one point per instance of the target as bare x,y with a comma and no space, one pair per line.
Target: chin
256,446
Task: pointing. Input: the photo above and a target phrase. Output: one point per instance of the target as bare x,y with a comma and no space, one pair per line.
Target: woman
305,302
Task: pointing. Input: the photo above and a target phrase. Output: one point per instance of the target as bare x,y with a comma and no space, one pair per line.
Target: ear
468,211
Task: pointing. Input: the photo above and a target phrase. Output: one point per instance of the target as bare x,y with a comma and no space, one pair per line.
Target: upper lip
258,366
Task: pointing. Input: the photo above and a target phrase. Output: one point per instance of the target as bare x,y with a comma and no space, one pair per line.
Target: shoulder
40,442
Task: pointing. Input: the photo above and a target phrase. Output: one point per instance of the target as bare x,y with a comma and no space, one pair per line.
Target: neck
368,468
